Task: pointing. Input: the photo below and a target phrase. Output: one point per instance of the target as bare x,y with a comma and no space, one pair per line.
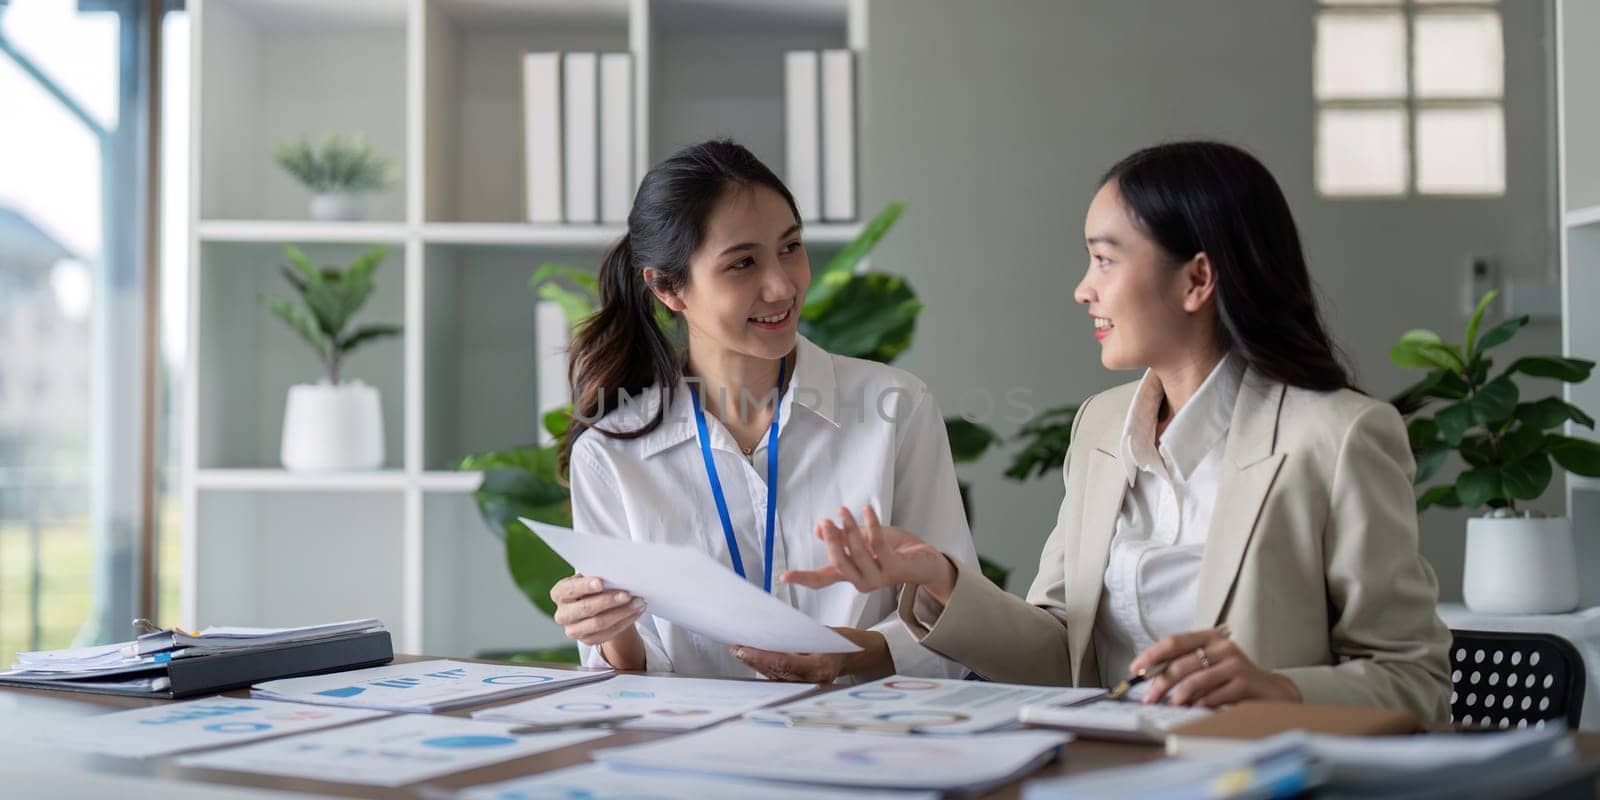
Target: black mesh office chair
1514,680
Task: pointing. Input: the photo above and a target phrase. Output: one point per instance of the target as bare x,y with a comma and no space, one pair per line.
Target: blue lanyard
716,483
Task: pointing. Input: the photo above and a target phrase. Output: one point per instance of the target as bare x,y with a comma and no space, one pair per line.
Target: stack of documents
597,781
424,686
160,730
149,662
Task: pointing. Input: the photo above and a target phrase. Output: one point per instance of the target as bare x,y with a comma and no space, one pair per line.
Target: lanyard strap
716,483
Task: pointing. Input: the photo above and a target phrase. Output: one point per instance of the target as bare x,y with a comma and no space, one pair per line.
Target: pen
591,722
1121,690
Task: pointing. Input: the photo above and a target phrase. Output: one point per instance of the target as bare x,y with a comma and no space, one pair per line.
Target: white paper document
688,588
389,752
597,782
663,704
176,727
423,686
940,763
922,705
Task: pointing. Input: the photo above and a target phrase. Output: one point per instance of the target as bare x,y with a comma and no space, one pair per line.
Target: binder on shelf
220,672
616,136
838,136
541,115
580,101
802,145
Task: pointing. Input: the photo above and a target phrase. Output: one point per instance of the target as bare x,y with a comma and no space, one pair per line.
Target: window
1409,98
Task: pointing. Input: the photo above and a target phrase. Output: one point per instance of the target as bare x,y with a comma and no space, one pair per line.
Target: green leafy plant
330,297
847,311
1506,442
339,164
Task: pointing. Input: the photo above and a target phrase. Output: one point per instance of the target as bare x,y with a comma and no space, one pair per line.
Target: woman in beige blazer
1242,481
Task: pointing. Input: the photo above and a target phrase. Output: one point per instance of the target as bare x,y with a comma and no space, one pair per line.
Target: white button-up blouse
851,432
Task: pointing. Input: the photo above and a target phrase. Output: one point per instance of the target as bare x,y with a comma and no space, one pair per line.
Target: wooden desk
20,708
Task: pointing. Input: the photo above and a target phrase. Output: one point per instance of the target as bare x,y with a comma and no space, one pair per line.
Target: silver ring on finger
1205,661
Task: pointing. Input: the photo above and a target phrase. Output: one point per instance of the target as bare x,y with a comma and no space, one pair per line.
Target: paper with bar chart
662,704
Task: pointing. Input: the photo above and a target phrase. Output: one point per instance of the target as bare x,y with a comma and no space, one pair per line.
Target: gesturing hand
872,555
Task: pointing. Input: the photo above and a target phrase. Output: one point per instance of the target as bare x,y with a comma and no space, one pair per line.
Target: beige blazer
1311,558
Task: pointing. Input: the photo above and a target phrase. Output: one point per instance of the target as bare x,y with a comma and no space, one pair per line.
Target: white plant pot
338,207
1520,565
328,427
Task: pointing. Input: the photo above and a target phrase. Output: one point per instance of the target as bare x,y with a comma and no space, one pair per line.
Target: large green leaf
1528,477
1048,435
1520,443
1578,456
831,279
1454,421
1439,496
557,420
356,281
1502,333
582,279
1570,370
1471,341
1495,400
1476,487
873,316
535,568
968,439
1423,348
1477,451
1551,412
1429,462
575,305
1423,432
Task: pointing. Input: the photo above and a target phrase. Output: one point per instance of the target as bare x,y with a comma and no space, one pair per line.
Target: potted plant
338,173
1517,561
333,424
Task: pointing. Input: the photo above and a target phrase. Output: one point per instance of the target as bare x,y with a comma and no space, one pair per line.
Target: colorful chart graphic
840,704
876,694
633,694
343,691
681,712
517,680
238,727
584,707
910,685
467,742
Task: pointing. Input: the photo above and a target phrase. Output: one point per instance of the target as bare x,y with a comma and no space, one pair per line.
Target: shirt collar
1199,426
813,387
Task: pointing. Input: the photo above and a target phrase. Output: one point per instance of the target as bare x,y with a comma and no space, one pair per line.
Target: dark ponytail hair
620,350
1207,196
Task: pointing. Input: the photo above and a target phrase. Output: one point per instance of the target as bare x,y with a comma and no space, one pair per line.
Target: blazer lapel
1104,487
1249,467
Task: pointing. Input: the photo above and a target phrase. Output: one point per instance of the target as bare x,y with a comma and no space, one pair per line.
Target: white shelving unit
436,84
1578,154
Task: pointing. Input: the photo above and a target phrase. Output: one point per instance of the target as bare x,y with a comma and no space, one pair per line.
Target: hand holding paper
687,587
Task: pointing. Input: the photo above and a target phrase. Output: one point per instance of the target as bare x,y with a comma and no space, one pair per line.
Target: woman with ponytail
1239,523
739,441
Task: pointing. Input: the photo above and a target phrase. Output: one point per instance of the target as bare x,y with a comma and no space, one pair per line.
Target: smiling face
1147,311
748,279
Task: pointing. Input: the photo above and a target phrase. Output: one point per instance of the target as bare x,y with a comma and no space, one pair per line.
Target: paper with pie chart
931,705
664,704
193,725
424,686
389,752
957,763
599,782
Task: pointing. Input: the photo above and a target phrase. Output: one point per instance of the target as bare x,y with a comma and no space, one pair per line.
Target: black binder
221,672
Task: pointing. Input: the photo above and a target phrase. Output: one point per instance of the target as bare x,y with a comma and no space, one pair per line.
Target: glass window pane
1461,151
1360,55
1459,54
1361,151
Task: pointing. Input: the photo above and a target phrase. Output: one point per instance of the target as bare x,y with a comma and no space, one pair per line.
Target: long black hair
1193,197
621,350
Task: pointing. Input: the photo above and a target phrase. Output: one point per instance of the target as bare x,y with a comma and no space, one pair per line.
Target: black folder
221,672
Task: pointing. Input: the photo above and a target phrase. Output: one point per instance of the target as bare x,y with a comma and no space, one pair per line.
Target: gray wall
994,120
